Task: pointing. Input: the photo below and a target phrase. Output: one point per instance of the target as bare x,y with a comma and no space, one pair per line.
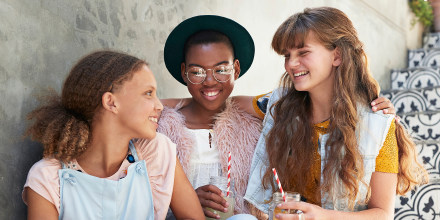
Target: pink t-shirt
159,155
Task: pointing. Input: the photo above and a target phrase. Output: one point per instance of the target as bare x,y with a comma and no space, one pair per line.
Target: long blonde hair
288,143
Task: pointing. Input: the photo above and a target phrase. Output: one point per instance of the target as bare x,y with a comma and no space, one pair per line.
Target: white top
205,158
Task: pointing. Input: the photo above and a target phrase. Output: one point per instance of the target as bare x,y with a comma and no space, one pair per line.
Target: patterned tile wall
415,78
414,100
424,57
423,126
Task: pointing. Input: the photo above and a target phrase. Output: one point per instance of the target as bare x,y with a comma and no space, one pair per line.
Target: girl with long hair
102,158
319,132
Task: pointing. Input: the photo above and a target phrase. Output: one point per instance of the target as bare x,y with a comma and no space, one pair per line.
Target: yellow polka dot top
387,160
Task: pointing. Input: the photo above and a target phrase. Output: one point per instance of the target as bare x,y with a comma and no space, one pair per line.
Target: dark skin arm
245,104
184,201
211,196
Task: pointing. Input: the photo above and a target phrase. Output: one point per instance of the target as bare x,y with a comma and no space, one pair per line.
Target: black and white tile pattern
423,126
415,93
415,78
429,156
422,203
424,57
414,100
431,40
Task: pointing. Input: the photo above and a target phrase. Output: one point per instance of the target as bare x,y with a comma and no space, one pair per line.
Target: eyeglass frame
213,75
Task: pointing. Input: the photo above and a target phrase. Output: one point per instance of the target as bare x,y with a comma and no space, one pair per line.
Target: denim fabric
371,133
87,197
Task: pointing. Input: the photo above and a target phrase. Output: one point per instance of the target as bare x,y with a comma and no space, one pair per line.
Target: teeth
153,119
300,73
211,93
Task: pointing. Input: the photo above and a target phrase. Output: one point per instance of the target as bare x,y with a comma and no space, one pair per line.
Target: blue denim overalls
83,196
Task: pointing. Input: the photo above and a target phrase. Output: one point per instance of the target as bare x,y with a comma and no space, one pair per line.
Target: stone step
416,77
431,40
422,203
423,126
414,100
424,57
429,156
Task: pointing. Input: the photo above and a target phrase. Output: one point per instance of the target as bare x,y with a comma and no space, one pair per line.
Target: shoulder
373,129
160,158
276,95
161,146
44,169
43,179
366,112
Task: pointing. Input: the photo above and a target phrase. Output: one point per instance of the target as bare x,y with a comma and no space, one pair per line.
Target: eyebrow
219,63
149,86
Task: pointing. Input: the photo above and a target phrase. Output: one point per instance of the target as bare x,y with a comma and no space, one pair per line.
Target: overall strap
63,165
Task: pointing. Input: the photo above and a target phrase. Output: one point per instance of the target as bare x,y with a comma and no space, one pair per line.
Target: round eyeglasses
221,73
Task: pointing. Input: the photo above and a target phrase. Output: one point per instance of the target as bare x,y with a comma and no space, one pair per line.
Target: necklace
210,137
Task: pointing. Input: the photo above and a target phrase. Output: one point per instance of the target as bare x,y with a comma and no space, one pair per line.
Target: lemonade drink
224,215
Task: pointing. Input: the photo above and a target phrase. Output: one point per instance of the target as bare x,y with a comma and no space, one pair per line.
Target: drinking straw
279,183
229,173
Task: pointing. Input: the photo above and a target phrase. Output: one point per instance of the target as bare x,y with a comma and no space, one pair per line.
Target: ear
182,72
237,69
337,60
109,102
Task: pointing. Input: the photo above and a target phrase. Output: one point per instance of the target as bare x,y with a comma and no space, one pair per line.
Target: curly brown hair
288,144
63,124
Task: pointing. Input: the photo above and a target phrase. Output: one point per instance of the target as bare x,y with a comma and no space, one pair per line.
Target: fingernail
227,204
373,103
217,216
278,216
225,210
374,108
279,205
385,111
221,194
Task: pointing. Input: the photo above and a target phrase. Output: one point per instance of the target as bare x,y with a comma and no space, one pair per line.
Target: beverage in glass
277,199
222,183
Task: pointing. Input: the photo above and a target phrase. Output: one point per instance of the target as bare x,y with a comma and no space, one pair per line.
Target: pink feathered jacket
235,131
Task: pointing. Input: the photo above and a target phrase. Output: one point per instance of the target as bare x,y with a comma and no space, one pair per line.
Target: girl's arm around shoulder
247,104
172,103
184,202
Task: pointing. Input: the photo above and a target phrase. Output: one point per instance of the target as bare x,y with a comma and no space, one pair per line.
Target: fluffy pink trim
235,131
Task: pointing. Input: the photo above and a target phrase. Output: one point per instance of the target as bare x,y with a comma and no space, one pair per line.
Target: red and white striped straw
229,173
279,184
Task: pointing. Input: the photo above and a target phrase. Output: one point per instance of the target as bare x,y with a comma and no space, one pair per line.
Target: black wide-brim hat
244,48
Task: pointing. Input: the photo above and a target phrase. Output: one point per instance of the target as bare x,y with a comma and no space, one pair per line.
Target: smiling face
138,107
210,94
311,67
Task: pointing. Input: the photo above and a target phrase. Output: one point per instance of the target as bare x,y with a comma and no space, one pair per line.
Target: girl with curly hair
102,157
319,132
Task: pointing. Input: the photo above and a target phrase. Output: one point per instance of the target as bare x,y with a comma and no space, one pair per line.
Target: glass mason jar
222,183
277,199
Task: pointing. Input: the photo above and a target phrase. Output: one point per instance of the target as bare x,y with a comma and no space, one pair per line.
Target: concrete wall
41,39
